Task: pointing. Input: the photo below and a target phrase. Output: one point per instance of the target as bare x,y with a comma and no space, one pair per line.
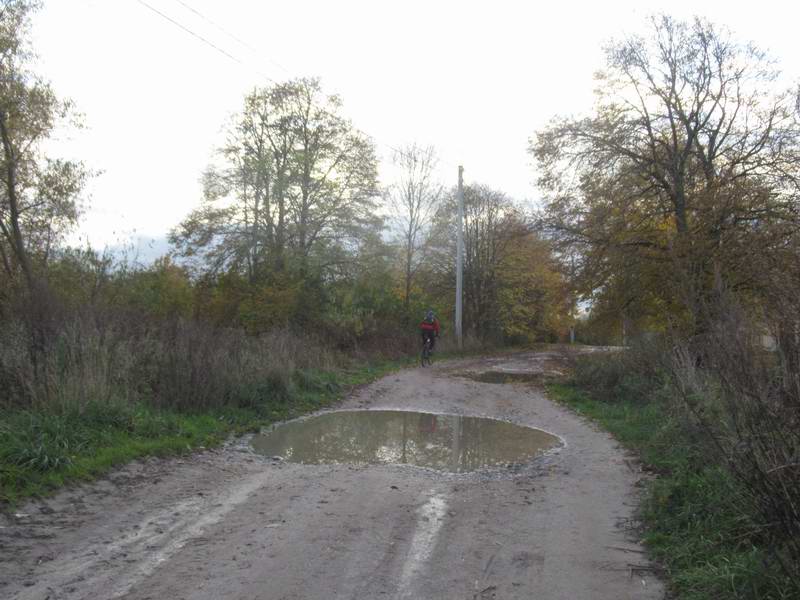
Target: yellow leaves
532,293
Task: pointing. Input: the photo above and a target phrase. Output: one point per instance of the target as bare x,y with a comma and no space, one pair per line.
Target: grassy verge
693,511
41,451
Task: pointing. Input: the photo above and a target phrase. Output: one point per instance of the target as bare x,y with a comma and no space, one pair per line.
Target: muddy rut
229,523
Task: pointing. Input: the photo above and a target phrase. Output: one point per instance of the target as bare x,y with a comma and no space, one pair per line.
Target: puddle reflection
505,377
449,443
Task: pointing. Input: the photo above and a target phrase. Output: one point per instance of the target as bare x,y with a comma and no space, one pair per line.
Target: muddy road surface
230,523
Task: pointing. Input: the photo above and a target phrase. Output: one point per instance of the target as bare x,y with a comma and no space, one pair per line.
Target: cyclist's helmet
429,317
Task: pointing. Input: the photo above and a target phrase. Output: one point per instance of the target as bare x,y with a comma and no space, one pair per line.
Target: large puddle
505,377
449,443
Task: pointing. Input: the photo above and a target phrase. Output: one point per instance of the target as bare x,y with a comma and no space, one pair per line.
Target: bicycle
425,358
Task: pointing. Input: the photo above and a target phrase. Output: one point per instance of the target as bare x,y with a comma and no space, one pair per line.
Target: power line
233,36
249,47
189,31
241,62
460,194
227,54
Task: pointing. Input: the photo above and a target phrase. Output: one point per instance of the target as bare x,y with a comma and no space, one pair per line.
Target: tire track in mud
230,524
155,539
430,518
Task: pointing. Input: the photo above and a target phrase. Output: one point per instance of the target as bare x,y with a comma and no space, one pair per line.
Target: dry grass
746,401
174,364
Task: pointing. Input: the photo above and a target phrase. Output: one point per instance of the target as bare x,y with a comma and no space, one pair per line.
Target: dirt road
231,524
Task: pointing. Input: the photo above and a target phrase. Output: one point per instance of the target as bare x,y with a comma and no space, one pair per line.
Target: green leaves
296,183
39,198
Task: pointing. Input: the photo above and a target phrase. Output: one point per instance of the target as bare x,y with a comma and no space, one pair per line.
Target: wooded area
669,214
677,200
686,173
295,235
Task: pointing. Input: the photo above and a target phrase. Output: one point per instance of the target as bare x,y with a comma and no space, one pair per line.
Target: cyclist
430,328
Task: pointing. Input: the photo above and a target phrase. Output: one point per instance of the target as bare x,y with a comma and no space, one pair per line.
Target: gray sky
475,79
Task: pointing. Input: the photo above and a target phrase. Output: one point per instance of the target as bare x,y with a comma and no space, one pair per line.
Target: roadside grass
692,512
41,451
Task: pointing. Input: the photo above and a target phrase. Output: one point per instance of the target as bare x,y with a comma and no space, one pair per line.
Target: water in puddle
504,377
449,443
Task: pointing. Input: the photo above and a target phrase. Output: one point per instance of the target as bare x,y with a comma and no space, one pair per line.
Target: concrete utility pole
571,300
460,258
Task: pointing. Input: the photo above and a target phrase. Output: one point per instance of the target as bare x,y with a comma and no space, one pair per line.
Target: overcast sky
475,79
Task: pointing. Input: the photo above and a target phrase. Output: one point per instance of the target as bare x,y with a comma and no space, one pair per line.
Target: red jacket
425,326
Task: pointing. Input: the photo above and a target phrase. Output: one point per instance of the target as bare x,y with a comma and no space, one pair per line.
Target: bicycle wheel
426,355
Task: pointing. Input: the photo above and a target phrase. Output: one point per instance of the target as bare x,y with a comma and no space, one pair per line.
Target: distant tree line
294,230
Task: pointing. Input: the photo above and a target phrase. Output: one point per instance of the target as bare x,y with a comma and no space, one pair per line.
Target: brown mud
231,523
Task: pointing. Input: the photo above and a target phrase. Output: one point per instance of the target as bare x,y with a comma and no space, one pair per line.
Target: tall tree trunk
17,242
6,259
409,258
280,231
35,313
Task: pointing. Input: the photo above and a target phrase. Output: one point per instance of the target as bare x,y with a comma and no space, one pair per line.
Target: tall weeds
635,375
175,364
734,402
745,397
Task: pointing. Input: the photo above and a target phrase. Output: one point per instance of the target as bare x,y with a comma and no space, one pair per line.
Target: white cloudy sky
475,79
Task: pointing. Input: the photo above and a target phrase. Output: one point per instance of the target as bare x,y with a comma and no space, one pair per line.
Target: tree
413,200
532,298
297,184
689,163
38,194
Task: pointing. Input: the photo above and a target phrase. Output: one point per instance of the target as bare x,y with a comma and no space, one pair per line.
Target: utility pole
572,299
460,258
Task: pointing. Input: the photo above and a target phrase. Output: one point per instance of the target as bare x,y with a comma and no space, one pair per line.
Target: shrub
746,400
632,374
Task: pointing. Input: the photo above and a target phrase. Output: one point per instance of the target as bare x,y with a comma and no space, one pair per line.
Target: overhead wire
231,35
241,62
211,44
189,31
